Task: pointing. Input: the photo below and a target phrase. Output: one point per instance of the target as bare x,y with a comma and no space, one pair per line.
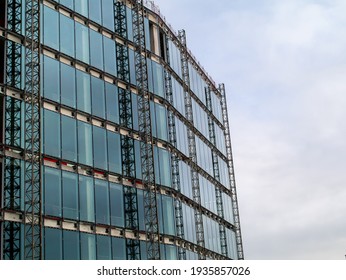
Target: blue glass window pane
112,103
140,203
83,92
71,245
132,67
161,122
86,199
108,14
53,244
67,35
97,49
135,111
95,10
117,204
150,75
51,28
68,3
68,85
82,42
168,215
138,160
81,7
129,24
52,192
100,148
153,118
158,79
85,147
51,78
118,248
147,34
102,202
88,246
165,167
51,131
70,195
110,56
104,247
114,152
98,97
69,138
171,252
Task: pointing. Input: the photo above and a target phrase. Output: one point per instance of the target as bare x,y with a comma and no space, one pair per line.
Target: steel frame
120,19
32,142
218,193
231,172
179,222
145,131
191,142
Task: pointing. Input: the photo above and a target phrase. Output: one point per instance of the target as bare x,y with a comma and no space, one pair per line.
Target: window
51,28
95,10
108,14
168,215
70,195
96,53
164,166
102,202
88,246
86,199
104,247
51,78
67,35
51,133
52,192
85,148
114,152
69,138
71,245
100,148
158,79
116,198
53,244
112,103
109,56
67,3
83,92
118,248
161,122
68,85
81,7
82,41
98,97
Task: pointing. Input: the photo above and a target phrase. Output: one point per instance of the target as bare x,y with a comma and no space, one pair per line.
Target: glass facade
91,141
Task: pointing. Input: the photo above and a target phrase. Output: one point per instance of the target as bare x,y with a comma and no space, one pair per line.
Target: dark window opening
152,40
2,13
162,46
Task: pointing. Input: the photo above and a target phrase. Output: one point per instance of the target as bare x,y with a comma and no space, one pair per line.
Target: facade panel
134,160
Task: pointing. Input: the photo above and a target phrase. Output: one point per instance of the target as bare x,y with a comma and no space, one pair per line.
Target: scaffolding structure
231,172
192,143
145,131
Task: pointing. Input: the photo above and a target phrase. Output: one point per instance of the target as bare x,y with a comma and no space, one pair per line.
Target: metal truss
120,19
123,69
32,142
231,172
218,193
146,143
179,222
14,15
14,64
191,142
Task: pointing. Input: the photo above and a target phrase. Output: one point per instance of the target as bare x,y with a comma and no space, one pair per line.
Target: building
115,142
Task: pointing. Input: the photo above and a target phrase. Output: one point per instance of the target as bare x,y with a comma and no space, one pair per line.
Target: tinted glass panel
161,122
51,78
83,92
70,195
67,35
69,138
68,3
95,10
102,202
100,148
168,215
81,7
88,246
116,204
82,42
114,152
51,28
110,56
118,248
97,50
53,244
85,147
52,192
71,245
51,133
68,85
108,14
104,247
112,103
98,97
86,198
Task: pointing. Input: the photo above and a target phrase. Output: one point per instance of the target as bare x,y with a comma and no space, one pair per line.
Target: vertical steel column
174,158
218,193
127,143
191,142
231,172
32,143
146,144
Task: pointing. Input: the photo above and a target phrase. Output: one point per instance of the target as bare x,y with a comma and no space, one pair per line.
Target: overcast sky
284,66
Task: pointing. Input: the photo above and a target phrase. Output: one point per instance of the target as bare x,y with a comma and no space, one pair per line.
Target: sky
283,63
